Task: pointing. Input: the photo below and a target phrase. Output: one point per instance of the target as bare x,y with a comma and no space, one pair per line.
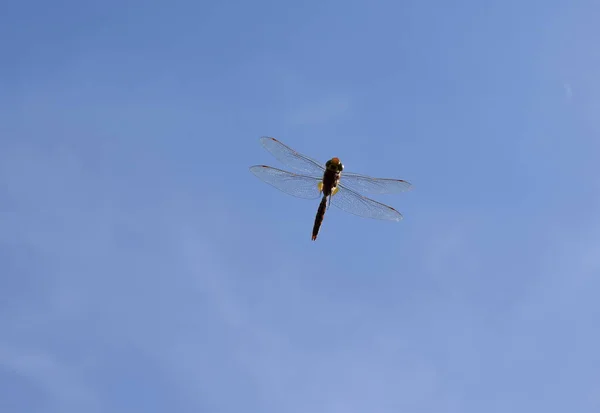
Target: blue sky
144,269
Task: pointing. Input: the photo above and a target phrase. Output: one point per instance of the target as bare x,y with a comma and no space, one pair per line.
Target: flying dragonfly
315,180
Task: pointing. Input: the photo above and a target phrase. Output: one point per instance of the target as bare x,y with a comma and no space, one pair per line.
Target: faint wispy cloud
142,277
61,382
568,91
318,112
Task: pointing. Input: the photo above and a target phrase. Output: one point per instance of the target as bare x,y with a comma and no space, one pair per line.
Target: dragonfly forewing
364,183
291,158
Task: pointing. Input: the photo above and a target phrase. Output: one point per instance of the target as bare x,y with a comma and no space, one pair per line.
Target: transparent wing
300,186
291,158
363,183
354,203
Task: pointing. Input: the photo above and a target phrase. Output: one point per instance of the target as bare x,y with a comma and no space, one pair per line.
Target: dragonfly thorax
331,178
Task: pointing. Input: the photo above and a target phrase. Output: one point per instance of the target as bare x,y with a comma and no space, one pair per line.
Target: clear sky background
143,268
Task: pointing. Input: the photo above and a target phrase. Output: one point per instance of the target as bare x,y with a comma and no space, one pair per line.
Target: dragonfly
315,180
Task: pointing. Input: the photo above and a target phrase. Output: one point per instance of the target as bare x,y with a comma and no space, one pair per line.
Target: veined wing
367,184
291,158
300,186
354,203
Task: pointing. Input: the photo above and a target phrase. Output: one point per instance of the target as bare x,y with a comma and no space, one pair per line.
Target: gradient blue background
144,269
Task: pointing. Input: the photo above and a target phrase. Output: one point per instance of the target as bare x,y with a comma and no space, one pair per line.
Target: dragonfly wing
367,184
300,186
291,158
354,203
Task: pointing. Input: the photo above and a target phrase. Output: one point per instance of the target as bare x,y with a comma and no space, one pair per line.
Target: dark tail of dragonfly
319,217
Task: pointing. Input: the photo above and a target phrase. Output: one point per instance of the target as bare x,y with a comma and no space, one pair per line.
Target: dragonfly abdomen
319,217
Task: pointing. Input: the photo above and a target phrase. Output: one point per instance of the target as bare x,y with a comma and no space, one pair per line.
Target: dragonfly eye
340,167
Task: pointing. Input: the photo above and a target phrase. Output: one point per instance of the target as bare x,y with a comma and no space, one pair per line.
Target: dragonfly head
334,164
